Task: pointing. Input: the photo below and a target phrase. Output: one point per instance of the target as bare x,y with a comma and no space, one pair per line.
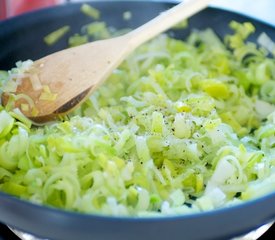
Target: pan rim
195,214
164,218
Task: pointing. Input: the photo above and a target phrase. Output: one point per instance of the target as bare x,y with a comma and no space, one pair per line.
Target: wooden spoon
69,76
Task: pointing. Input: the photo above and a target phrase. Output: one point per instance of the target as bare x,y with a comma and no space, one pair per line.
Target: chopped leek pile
180,127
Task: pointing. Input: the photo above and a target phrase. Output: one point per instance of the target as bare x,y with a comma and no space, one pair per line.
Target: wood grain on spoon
72,74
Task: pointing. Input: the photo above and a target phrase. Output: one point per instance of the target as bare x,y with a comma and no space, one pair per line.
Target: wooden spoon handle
165,21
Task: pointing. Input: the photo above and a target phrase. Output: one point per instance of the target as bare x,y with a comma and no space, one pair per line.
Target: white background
261,9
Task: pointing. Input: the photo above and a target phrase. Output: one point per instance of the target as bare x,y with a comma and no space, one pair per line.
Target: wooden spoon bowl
68,77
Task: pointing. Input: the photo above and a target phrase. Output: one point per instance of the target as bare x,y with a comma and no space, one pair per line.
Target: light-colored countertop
261,9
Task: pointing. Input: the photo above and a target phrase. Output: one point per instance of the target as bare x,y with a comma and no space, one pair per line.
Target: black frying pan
21,38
